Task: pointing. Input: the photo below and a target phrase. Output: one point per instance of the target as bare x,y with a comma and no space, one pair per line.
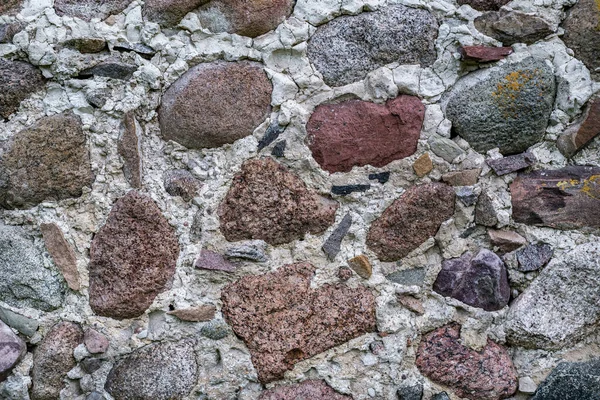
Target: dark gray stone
381,177
143,50
467,195
506,165
331,247
534,257
510,27
8,31
505,106
90,365
95,396
485,213
272,133
414,392
88,9
215,330
479,281
86,45
110,69
346,49
12,349
344,190
441,396
571,381
582,34
408,277
252,252
18,81
279,149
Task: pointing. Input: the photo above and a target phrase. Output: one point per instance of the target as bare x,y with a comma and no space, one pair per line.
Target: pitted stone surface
346,49
180,182
566,291
12,349
410,220
10,7
88,9
506,165
95,342
310,389
566,198
283,321
53,358
168,13
26,282
48,161
161,371
268,202
582,34
506,106
534,257
510,27
583,131
132,258
18,80
246,18
215,103
571,381
358,133
479,281
485,375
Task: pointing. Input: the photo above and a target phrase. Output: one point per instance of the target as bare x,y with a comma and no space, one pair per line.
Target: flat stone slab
509,164
62,253
510,27
484,54
583,131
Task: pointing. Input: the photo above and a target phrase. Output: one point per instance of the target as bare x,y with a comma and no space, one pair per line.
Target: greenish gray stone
215,330
506,106
409,277
571,381
26,326
445,148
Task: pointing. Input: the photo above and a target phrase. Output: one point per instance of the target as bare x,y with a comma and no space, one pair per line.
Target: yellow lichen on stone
509,89
589,186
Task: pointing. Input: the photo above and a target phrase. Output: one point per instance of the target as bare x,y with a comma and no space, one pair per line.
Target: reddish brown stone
506,241
195,314
357,133
410,220
483,54
53,358
485,375
18,80
215,103
169,13
62,253
179,182
583,131
423,165
467,177
309,390
484,5
211,260
88,9
344,273
132,258
361,265
95,342
268,202
413,304
283,321
566,198
10,7
129,147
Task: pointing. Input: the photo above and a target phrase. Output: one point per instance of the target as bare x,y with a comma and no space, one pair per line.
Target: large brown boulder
18,80
582,34
132,258
216,103
168,13
357,132
88,9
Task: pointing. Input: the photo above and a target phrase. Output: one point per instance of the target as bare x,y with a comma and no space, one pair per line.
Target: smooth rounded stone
539,320
361,265
53,358
168,13
566,198
534,257
479,281
88,9
571,381
95,342
162,371
488,374
182,183
423,165
582,34
12,349
283,321
26,282
18,80
510,27
26,326
268,202
132,258
357,133
484,5
347,48
48,161
10,7
247,18
483,54
62,253
410,220
215,104
506,106
309,389
445,148
201,313
583,131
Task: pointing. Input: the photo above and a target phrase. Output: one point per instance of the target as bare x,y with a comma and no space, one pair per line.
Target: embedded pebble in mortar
467,177
485,213
129,147
534,257
332,245
180,182
168,13
18,80
310,389
423,165
445,148
62,253
583,131
506,241
110,69
94,341
484,54
408,277
412,392
86,45
253,251
361,265
381,177
467,195
24,325
510,27
12,349
195,314
582,34
343,190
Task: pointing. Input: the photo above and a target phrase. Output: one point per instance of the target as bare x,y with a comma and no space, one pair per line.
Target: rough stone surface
441,396
62,253
347,48
423,165
409,277
279,149
283,321
510,27
10,7
506,106
8,31
86,45
18,80
26,282
195,314
413,304
180,182
445,148
253,251
467,195
583,131
483,54
249,18
381,177
534,257
129,147
467,177
361,265
358,133
565,198
168,13
234,98
310,389
213,261
332,245
582,34
53,358
26,326
572,280
344,273
275,204
479,281
485,213
132,258
410,220
506,241
161,371
94,341
12,349
110,69
506,165
485,375
344,190
413,392
484,5
48,161
88,9
571,381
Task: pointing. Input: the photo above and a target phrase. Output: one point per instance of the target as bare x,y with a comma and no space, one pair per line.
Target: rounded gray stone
507,106
346,49
571,381
18,80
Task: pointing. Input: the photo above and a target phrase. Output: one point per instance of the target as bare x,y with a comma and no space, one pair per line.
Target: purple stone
215,261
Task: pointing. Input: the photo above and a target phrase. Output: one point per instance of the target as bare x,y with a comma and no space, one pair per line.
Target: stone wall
310,199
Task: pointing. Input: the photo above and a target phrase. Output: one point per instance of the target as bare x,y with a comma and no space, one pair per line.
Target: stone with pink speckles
311,389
